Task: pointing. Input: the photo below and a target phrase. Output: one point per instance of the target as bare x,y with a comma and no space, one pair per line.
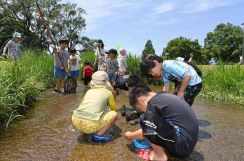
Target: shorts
74,74
112,77
93,126
87,80
191,92
59,73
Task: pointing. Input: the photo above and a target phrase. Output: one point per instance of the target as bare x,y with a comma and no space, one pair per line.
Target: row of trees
224,43
64,19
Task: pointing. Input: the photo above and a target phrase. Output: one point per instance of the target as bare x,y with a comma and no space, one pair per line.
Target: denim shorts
75,73
112,77
59,73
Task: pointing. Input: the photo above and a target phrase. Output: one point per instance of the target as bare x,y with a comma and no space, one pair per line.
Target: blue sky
130,23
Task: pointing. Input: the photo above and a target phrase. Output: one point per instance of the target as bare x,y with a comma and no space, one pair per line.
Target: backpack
199,72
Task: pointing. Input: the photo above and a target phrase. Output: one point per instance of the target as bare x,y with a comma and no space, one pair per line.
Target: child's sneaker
100,139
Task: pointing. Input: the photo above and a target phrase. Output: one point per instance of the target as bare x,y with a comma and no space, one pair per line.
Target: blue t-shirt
173,69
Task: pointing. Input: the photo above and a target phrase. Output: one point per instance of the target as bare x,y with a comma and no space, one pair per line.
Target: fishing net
70,85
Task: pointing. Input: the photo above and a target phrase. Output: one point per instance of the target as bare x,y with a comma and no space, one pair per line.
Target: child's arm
166,88
138,134
84,72
96,57
184,84
111,103
6,47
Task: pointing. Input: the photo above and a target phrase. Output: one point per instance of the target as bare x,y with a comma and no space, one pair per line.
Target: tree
225,43
68,21
64,19
148,49
183,47
88,44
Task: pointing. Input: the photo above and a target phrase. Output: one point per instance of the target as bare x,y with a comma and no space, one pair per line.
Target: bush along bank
223,83
21,83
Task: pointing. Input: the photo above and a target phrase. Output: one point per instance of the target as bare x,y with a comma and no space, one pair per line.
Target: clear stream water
45,133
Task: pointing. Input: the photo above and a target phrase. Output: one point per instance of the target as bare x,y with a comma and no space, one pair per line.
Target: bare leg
158,153
104,130
59,84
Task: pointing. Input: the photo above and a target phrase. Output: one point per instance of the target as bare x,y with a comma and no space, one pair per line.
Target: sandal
144,154
147,154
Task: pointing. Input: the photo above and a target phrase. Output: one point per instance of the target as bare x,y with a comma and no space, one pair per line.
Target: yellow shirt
94,103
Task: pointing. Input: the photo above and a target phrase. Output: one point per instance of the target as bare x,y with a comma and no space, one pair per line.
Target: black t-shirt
170,122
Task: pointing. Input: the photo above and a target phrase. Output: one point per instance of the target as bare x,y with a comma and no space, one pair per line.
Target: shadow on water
203,135
203,123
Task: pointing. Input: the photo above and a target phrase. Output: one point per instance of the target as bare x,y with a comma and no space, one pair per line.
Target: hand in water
181,95
128,135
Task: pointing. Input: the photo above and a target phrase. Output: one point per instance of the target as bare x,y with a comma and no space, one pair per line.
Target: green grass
21,83
223,83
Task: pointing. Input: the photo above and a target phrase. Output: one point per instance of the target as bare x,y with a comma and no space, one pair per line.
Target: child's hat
17,34
113,51
122,52
100,78
100,41
64,40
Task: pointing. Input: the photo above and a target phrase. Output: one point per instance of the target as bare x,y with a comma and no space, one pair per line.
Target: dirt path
45,133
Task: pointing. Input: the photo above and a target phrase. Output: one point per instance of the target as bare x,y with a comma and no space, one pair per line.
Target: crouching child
168,123
97,111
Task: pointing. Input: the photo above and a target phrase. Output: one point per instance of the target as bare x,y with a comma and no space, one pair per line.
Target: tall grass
223,83
20,83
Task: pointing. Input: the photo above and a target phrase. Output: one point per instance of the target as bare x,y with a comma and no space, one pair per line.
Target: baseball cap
113,51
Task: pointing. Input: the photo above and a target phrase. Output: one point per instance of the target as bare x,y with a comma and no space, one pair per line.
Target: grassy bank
223,83
20,83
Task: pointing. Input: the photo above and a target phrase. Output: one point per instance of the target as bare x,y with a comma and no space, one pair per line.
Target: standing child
100,56
97,111
87,73
122,61
168,122
61,57
113,66
74,64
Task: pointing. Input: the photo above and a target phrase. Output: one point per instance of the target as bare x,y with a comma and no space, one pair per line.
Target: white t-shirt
100,53
122,63
74,62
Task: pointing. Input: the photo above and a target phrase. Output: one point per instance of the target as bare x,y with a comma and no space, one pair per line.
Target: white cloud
145,11
99,11
205,5
166,7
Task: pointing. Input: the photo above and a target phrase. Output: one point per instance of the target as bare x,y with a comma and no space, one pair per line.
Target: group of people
105,60
109,61
167,122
